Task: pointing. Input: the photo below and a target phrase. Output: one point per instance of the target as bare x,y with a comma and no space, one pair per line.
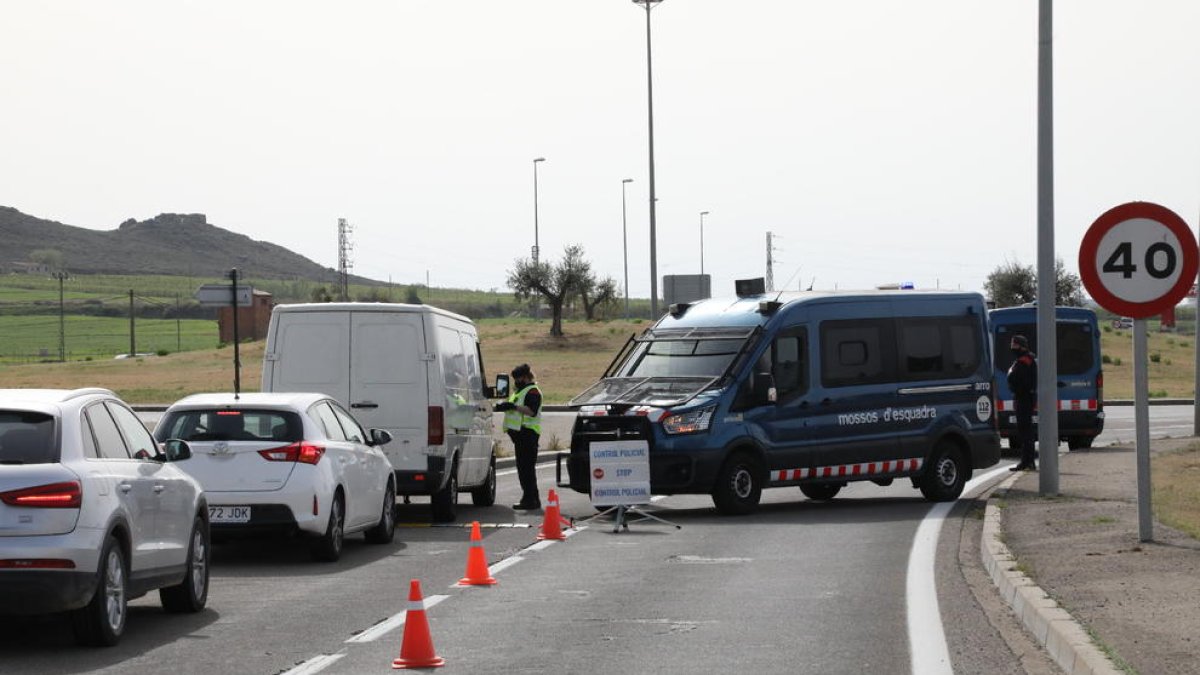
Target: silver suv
93,513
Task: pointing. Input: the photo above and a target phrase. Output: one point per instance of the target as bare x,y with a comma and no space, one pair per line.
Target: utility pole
237,360
345,246
178,328
770,264
62,322
132,342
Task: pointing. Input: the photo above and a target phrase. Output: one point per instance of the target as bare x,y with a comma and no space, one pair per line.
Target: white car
286,463
94,513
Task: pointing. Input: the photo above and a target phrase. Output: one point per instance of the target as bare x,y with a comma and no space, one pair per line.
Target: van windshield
1076,346
681,358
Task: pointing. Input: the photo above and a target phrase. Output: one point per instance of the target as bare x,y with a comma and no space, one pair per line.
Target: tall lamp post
535,210
649,4
702,214
625,244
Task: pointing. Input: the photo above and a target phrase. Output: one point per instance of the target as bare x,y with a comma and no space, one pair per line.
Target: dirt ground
1140,600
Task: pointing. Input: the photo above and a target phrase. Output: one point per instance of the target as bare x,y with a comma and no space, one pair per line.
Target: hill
170,244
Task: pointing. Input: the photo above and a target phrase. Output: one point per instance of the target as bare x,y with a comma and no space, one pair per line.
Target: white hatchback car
291,463
94,513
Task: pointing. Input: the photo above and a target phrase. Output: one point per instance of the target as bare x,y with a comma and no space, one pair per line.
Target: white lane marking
926,635
315,664
391,623
505,564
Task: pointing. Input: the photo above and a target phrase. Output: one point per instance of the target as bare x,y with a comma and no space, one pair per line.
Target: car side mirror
380,436
176,450
762,388
501,390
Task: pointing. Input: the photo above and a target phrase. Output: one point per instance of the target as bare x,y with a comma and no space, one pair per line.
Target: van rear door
309,351
388,382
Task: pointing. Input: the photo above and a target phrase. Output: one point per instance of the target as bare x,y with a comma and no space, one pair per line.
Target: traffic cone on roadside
477,567
552,522
416,649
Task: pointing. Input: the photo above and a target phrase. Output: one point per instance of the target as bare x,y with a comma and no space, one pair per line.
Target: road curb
1052,626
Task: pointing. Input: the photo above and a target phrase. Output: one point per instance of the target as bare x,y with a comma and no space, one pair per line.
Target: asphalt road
800,586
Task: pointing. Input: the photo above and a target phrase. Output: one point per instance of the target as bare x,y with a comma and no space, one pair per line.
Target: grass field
1176,479
35,338
1171,369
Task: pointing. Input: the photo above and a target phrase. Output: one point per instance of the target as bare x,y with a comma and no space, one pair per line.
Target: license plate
229,514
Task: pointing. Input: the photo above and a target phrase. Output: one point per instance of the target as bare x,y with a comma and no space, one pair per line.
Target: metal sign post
621,481
1138,260
232,296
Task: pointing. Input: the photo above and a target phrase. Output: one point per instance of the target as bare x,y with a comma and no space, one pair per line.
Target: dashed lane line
315,664
391,623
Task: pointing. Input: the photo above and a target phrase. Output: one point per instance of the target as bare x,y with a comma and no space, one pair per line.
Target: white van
414,370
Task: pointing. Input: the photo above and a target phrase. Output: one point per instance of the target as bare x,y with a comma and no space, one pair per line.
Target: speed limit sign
1138,259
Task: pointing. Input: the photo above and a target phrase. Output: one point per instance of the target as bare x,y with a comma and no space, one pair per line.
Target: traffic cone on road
553,521
477,567
416,649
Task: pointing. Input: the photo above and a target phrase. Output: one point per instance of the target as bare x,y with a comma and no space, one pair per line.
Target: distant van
414,370
810,390
1080,378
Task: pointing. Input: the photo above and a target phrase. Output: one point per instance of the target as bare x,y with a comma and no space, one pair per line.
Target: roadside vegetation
1176,479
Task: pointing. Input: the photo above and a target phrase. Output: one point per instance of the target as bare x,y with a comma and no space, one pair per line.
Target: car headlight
690,422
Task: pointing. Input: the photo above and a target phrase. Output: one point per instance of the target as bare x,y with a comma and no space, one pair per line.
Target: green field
29,339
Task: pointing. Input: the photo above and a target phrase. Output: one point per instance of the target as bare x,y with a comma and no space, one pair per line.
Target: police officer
523,422
1022,381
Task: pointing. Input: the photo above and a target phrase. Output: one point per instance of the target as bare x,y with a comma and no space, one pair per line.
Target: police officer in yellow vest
523,422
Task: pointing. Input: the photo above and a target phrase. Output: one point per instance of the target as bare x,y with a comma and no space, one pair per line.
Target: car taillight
437,425
304,453
54,496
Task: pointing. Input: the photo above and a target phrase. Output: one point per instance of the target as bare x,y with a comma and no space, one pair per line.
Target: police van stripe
865,469
1063,404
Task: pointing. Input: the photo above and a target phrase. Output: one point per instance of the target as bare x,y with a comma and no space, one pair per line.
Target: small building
252,320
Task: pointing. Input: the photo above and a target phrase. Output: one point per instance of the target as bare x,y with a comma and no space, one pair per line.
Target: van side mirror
762,388
501,390
380,436
176,450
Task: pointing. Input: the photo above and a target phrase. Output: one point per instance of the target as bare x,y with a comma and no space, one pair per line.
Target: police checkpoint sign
1138,259
620,473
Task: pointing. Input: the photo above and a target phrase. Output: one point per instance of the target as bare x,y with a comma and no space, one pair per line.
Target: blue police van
810,390
1080,377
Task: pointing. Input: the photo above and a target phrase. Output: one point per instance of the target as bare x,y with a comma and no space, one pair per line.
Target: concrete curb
1052,626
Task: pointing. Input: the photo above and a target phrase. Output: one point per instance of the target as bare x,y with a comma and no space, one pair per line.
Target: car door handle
364,404
159,488
125,487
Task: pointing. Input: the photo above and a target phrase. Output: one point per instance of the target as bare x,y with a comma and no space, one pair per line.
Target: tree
320,294
50,257
554,283
597,294
1015,284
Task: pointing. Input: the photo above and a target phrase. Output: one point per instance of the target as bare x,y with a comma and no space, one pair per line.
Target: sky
880,142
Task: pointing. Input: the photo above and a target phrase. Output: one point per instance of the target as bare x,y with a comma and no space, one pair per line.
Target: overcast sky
880,141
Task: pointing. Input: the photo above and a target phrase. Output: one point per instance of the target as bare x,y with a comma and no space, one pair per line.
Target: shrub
1156,358
1106,359
162,352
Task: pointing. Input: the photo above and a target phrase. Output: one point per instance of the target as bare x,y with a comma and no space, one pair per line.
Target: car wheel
191,594
945,474
385,530
739,485
485,495
329,547
821,491
444,502
101,622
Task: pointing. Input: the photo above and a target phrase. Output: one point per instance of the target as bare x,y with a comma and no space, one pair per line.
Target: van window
936,349
1076,346
857,352
454,362
790,366
27,438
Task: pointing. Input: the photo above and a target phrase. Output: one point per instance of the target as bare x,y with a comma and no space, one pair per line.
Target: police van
810,390
1080,377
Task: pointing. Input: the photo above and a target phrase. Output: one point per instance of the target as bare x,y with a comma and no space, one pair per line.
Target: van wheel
739,485
385,530
191,594
485,495
821,492
444,502
1079,442
945,474
329,547
101,622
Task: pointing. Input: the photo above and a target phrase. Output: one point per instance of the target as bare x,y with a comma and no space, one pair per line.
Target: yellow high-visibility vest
514,420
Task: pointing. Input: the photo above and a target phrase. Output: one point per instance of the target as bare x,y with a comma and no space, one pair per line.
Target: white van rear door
310,352
388,376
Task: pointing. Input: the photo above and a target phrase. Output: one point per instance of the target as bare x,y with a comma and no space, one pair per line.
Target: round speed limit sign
1138,259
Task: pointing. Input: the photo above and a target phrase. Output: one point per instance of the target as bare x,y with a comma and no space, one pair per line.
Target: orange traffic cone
553,520
416,650
477,567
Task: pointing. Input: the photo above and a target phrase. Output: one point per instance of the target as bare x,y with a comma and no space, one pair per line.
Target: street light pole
702,214
649,4
536,249
625,244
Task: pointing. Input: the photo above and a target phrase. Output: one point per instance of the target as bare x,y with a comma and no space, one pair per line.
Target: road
800,586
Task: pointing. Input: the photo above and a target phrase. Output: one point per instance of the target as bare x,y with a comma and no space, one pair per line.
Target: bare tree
597,294
556,283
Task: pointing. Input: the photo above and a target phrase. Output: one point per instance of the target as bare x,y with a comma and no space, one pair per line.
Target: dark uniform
525,431
1022,381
